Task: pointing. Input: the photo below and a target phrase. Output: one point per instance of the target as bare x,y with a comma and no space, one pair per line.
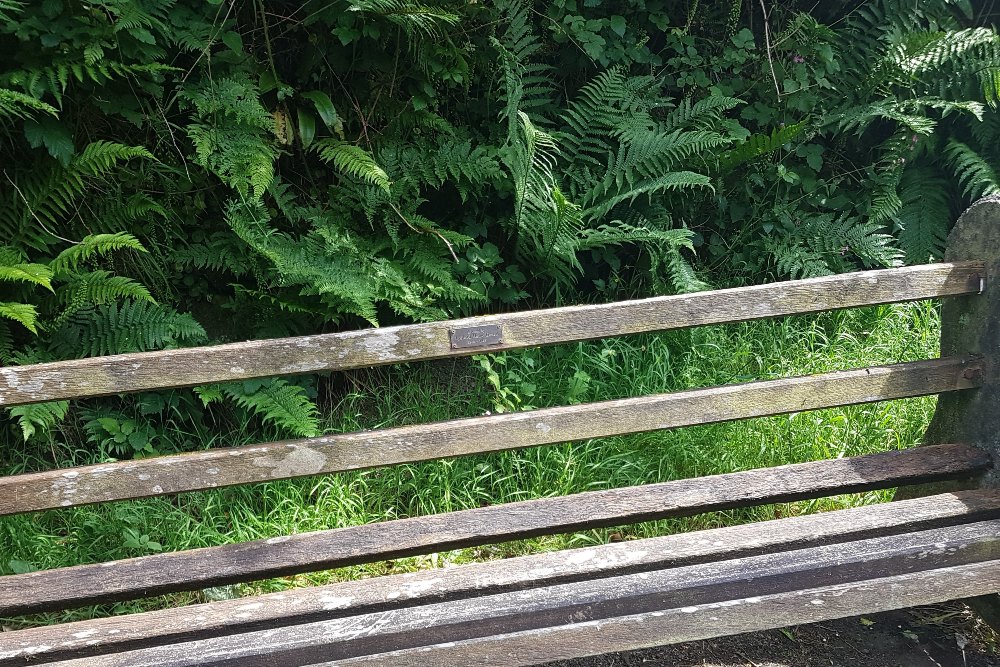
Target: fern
527,84
974,174
823,244
23,313
95,288
6,343
95,245
132,326
18,105
36,274
234,134
39,418
353,161
8,8
274,401
56,79
759,145
412,17
924,215
46,197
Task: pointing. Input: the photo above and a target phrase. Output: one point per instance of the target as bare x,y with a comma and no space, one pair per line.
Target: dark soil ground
948,636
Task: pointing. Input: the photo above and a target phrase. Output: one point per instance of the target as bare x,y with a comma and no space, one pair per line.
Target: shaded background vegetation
177,172
184,171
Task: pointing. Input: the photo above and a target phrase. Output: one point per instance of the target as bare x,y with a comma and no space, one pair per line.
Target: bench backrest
969,346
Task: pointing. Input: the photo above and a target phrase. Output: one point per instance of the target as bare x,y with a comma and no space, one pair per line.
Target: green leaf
21,566
233,40
618,25
324,107
307,128
51,134
22,313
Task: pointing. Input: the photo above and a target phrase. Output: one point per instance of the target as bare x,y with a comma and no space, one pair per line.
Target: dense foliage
180,171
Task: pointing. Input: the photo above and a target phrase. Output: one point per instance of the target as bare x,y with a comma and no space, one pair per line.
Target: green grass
536,378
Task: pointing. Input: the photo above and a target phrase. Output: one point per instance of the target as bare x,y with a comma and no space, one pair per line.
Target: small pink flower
798,59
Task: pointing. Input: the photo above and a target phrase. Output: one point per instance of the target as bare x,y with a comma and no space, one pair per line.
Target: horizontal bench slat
354,451
355,349
588,600
685,624
199,568
120,633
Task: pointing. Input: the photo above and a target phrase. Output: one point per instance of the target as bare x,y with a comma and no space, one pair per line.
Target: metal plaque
481,336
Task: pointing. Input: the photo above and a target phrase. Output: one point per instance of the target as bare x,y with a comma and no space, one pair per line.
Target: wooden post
971,324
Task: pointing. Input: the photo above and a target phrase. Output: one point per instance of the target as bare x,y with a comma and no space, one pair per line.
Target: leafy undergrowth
526,379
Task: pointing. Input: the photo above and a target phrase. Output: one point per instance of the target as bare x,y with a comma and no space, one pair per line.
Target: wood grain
353,451
705,621
580,602
355,349
199,568
293,607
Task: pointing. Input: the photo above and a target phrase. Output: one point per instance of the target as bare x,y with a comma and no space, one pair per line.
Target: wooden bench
940,542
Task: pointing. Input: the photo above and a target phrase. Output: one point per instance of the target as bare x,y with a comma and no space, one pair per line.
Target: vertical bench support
971,324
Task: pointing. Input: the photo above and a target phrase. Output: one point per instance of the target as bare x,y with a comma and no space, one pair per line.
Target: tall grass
612,368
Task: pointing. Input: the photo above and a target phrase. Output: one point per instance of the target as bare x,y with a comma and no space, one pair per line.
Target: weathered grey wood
168,626
352,451
189,570
355,349
588,600
692,623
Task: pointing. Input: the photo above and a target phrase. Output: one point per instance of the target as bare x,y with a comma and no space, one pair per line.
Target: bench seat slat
114,634
677,625
102,376
542,607
199,568
352,451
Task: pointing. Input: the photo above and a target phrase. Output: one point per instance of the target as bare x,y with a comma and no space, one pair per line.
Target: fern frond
36,274
924,215
682,274
974,174
8,8
760,145
276,402
823,244
705,111
18,105
412,17
23,313
40,418
353,161
98,158
132,326
97,288
673,181
6,343
94,245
